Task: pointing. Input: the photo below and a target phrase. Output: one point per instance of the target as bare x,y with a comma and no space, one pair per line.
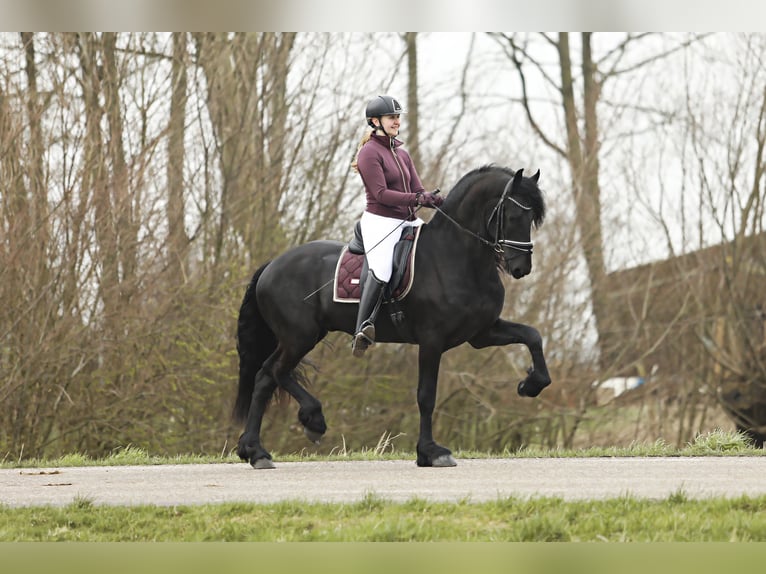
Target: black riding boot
369,304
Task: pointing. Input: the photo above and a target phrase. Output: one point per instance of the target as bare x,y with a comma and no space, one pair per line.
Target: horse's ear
517,177
536,176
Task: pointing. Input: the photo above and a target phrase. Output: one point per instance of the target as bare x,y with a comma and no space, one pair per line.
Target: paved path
473,480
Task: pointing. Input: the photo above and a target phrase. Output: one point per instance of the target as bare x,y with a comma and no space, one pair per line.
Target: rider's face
391,124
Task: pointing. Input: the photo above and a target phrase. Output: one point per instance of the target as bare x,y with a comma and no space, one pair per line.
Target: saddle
352,265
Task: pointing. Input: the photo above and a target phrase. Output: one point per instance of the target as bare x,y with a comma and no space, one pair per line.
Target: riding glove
429,199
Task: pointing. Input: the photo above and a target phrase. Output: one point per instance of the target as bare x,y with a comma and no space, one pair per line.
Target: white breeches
380,235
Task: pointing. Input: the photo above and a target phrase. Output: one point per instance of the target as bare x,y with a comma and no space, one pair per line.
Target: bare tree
578,92
246,75
176,213
114,320
143,175
731,178
413,101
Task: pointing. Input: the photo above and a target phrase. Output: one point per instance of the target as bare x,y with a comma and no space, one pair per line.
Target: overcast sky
404,15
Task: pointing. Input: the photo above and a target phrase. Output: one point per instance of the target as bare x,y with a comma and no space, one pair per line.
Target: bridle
499,210
499,242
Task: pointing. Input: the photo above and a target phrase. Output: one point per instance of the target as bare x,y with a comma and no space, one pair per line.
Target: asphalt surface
472,480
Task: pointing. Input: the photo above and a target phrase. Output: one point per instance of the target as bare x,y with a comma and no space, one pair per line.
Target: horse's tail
255,343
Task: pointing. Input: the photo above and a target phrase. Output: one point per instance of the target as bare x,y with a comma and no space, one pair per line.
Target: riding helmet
382,106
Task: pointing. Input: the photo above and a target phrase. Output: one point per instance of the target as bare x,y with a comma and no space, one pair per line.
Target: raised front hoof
533,385
313,436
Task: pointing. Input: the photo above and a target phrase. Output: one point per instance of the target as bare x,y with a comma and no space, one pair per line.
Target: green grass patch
624,519
674,519
714,443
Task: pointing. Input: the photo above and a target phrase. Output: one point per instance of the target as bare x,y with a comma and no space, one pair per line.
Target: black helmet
382,106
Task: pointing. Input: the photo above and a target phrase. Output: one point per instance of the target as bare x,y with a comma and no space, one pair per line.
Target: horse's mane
527,193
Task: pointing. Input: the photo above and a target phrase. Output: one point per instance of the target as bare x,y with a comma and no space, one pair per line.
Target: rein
500,243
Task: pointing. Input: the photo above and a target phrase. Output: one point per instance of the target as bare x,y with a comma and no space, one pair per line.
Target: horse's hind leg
249,447
310,412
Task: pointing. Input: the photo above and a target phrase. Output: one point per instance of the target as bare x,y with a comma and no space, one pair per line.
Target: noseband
499,210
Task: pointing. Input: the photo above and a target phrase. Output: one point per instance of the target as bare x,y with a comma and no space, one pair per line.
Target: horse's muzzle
518,272
518,261
519,266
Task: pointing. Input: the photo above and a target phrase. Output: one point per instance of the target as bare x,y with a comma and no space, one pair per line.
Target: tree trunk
177,239
246,76
582,155
413,103
37,192
123,216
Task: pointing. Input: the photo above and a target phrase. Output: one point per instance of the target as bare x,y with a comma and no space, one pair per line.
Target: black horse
482,228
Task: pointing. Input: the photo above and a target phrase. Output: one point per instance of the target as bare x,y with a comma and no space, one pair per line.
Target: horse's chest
477,308
481,298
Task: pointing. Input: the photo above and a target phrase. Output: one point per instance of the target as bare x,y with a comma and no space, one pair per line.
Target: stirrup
364,339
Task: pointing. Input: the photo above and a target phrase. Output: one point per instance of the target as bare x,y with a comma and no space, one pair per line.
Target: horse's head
499,208
519,208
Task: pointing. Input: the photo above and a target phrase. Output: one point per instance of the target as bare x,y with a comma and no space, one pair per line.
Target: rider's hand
429,199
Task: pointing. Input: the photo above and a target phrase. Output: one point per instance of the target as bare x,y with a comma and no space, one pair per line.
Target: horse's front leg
507,333
429,453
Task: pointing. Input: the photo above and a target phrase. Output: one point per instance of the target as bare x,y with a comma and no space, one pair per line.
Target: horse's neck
447,243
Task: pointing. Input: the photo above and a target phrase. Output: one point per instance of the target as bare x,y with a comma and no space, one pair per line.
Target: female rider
394,191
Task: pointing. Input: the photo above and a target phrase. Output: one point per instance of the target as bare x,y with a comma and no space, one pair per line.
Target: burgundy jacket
389,177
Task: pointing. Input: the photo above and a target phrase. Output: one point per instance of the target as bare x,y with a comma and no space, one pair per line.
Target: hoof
533,385
444,460
261,463
313,436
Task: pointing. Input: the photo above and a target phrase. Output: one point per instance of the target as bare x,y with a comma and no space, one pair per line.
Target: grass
626,519
714,443
622,519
